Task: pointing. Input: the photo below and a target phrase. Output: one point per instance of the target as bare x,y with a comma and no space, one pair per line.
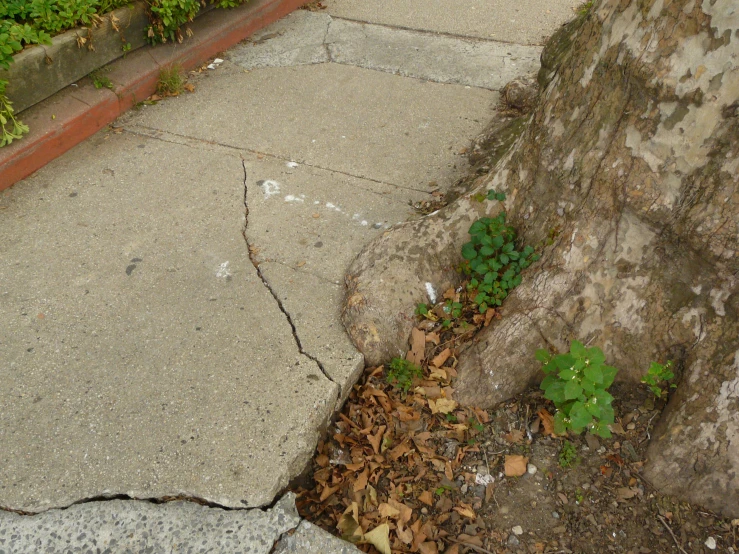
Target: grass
171,82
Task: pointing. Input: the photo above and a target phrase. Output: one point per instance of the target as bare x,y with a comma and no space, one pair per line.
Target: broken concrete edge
137,526
70,116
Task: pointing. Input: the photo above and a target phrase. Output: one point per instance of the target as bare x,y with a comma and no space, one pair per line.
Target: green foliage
492,260
12,129
577,383
422,310
402,372
167,16
656,374
100,80
568,455
585,8
170,81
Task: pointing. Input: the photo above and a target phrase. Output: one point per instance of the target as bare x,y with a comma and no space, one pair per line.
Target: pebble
517,530
463,489
513,540
555,515
531,469
710,543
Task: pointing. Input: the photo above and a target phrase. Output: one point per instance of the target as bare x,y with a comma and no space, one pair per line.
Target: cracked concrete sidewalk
171,287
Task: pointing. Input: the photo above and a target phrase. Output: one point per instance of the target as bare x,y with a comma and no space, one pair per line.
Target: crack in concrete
150,500
266,284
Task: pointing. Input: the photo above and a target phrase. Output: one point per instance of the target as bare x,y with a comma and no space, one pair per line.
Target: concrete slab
309,539
136,527
142,354
363,123
522,22
307,37
442,59
314,308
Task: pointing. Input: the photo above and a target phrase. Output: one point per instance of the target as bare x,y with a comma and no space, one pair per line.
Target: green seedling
568,455
100,80
401,373
657,374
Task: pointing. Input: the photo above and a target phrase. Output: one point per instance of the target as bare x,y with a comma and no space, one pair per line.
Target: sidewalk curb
75,113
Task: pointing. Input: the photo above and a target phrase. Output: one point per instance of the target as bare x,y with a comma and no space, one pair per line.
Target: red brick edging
69,117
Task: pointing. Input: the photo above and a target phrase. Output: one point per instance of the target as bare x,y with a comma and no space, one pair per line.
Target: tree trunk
630,165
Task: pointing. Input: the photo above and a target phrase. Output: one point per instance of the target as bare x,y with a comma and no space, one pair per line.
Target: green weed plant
658,378
401,373
492,260
577,383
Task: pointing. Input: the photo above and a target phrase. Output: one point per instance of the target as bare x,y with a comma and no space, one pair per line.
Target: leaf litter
416,472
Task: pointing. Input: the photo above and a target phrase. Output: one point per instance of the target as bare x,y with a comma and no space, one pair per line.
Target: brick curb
75,113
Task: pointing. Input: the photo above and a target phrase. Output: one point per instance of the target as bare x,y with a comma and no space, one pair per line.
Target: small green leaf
560,425
609,374
555,392
543,355
565,361
577,349
594,373
469,252
572,389
567,374
596,356
580,416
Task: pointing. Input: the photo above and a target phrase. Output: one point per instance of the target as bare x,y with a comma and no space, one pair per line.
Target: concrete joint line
160,135
266,284
467,38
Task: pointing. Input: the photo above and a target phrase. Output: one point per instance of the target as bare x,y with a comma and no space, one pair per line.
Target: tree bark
629,168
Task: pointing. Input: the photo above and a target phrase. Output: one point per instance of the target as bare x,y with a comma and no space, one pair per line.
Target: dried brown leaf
547,421
379,537
426,497
441,357
361,483
376,440
328,491
515,465
418,345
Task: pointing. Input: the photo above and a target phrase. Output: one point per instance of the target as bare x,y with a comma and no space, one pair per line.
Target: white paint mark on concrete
223,271
365,223
431,292
292,165
291,198
270,188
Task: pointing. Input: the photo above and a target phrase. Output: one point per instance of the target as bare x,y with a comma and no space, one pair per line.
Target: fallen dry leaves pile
386,474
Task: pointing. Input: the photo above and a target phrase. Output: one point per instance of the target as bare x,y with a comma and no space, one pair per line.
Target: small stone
710,543
513,540
531,469
463,489
517,530
555,515
424,511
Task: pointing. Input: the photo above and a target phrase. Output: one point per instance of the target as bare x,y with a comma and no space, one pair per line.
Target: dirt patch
388,452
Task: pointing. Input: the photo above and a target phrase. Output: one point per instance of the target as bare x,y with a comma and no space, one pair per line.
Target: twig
472,546
649,437
674,538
